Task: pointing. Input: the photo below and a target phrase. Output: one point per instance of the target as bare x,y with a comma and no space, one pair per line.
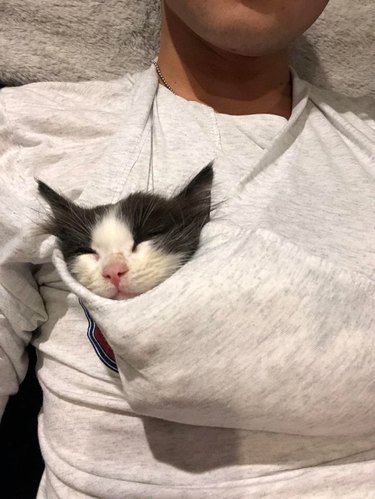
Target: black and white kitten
125,249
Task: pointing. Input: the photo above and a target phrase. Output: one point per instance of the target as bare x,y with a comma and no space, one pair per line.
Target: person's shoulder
43,100
353,110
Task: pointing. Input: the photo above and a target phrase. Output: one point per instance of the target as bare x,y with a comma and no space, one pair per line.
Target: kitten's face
118,267
123,250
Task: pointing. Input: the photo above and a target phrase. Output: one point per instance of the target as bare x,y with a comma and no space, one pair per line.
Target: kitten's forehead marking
111,234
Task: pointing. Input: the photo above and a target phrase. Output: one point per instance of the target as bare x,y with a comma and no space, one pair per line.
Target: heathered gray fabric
248,373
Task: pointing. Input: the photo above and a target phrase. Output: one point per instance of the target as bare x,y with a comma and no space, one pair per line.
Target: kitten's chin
121,295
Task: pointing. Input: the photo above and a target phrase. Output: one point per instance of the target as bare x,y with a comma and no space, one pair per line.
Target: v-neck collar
106,185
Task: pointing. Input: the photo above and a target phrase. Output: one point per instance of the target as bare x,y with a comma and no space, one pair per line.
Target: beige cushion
102,39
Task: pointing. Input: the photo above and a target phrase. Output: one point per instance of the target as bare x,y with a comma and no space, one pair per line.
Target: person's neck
227,82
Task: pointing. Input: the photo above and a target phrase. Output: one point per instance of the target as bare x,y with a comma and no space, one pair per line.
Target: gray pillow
102,39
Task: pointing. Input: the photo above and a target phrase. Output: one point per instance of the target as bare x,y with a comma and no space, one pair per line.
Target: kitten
125,249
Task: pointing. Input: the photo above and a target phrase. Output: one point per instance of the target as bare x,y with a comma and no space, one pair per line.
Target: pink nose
114,271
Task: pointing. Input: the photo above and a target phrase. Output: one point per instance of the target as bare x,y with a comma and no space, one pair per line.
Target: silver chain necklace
161,76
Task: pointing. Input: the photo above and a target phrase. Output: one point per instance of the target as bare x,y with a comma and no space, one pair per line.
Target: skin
233,54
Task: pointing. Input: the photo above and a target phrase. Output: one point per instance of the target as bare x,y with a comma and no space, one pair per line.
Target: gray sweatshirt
250,372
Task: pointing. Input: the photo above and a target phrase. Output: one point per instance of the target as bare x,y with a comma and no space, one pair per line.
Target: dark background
21,464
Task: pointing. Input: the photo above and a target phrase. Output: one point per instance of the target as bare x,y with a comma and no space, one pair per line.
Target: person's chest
309,184
285,255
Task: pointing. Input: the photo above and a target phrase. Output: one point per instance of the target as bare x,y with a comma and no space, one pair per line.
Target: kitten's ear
59,204
199,188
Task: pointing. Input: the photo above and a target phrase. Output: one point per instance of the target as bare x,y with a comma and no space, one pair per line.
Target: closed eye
147,236
86,251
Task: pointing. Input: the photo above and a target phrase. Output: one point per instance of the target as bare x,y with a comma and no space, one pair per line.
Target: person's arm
21,311
21,306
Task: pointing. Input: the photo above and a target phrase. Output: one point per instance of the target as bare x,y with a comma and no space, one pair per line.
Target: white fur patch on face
149,266
111,235
112,239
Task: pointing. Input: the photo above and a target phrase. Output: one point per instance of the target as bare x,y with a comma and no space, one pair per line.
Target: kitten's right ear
59,204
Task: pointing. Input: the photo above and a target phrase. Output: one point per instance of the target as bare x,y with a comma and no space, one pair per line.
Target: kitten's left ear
199,188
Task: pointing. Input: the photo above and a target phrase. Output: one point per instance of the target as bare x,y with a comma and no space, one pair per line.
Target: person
249,372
